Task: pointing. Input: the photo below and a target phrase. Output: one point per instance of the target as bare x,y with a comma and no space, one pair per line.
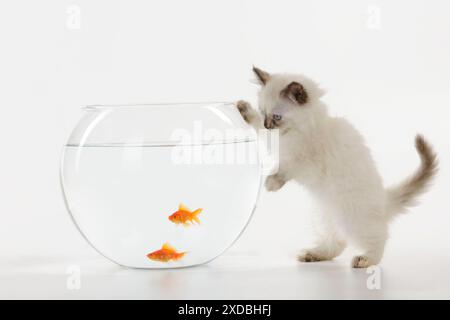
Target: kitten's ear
263,76
295,92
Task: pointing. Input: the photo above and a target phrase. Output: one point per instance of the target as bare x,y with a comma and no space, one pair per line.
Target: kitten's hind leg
374,249
330,240
328,247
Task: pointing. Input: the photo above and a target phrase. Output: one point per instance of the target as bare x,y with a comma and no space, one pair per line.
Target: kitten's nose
268,124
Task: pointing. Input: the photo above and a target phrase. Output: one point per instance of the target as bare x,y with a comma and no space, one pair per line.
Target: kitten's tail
404,195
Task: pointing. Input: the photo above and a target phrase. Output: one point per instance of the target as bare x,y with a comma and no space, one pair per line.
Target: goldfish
165,254
184,215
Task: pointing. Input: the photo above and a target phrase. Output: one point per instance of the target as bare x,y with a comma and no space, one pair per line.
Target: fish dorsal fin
167,246
182,207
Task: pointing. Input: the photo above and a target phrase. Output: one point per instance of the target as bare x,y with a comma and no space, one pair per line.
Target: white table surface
235,275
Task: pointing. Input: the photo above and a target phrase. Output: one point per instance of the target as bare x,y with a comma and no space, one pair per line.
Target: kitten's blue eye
276,117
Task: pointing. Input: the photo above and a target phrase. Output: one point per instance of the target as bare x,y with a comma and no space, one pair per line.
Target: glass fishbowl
161,185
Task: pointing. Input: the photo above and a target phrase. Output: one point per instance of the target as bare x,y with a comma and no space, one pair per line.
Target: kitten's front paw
362,262
244,109
274,183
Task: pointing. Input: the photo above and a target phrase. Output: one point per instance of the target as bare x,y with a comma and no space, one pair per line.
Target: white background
385,65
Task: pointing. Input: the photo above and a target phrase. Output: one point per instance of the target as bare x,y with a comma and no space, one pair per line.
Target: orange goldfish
184,215
165,254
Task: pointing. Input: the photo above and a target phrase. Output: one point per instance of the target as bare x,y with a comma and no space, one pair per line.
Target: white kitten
328,156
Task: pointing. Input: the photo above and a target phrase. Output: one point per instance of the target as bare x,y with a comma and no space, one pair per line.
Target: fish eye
276,117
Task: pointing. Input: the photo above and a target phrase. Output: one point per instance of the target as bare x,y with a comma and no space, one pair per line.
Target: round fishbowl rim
158,104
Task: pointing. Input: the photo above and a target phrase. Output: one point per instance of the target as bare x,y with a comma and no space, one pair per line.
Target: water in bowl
122,195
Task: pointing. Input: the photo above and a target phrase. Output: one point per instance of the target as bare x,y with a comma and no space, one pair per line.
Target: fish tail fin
196,219
195,215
